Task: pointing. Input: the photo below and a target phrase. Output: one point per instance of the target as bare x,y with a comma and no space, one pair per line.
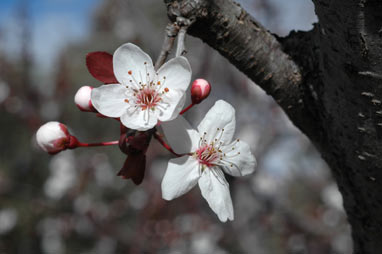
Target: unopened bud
53,137
200,90
82,99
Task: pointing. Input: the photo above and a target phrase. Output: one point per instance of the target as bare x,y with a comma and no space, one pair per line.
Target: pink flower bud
53,137
82,99
200,90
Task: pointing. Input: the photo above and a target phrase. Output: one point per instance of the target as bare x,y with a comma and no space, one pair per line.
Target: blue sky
54,23
78,9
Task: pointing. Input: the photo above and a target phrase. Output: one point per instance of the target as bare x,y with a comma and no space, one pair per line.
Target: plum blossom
209,151
143,95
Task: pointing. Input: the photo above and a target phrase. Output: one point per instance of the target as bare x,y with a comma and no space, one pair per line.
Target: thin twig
171,32
180,48
184,24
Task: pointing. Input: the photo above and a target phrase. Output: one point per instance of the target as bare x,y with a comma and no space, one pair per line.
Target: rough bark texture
328,81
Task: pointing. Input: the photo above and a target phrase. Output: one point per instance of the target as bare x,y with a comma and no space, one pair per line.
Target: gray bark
327,80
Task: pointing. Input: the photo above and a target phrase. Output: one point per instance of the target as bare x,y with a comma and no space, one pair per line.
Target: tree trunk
328,81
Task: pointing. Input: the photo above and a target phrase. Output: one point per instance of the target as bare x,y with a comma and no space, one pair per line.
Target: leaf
134,167
100,66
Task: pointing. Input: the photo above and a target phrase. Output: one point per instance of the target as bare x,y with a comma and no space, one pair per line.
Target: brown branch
328,82
229,29
171,32
180,48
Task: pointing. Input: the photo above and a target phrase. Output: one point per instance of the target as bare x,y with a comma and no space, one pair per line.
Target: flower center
147,98
207,155
215,152
148,91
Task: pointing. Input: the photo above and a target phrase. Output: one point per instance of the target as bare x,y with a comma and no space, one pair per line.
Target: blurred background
73,202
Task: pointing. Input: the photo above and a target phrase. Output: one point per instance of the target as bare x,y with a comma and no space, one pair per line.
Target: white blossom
144,95
210,151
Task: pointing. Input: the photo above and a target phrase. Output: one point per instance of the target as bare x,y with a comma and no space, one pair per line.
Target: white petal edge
109,100
177,72
175,100
215,190
222,116
135,118
180,135
181,175
130,57
243,163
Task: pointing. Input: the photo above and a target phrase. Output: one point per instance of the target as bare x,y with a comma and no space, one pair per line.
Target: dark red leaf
134,144
141,140
100,66
134,167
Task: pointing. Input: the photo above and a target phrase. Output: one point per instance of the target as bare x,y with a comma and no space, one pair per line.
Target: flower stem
186,109
165,145
110,143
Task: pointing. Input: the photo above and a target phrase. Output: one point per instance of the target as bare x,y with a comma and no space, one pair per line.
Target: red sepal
134,144
100,66
134,166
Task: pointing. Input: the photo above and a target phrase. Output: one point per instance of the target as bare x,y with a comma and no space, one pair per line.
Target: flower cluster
148,103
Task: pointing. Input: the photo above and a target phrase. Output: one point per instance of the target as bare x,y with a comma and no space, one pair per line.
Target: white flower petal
138,119
242,160
175,100
130,57
215,190
180,135
181,175
177,72
109,100
222,116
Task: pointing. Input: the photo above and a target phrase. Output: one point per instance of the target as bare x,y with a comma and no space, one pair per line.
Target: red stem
165,145
186,109
110,143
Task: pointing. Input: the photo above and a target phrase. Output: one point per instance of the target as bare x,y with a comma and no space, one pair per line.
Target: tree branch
327,80
229,29
184,24
171,32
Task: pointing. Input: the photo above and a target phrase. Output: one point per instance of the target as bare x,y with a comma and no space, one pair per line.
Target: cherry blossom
209,151
143,95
